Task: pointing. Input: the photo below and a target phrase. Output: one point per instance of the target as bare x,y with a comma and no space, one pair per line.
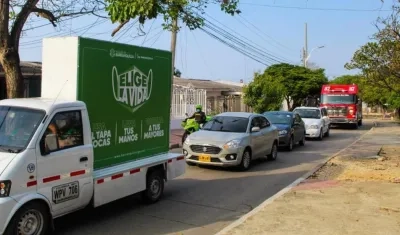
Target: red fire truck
342,104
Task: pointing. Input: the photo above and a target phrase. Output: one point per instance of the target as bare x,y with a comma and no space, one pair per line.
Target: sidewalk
356,192
175,138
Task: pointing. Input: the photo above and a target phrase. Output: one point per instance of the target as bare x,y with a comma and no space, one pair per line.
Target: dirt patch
350,208
355,193
384,167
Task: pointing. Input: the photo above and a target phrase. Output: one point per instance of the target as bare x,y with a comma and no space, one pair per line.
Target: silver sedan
232,139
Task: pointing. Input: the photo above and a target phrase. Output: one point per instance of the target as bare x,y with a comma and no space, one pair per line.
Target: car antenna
59,92
44,119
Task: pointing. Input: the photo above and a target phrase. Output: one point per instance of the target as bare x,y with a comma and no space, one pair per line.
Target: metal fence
184,100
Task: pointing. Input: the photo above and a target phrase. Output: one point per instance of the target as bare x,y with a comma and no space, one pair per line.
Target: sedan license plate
205,158
65,192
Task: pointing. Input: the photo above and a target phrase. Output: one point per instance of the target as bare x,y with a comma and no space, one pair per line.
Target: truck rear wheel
154,187
32,218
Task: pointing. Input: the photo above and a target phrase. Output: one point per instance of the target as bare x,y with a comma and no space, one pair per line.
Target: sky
275,26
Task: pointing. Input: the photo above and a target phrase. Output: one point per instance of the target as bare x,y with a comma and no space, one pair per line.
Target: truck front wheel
154,187
32,218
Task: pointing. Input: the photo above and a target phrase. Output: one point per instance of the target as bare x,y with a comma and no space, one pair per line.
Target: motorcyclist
199,115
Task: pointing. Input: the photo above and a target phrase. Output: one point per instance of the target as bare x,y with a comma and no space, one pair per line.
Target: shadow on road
187,204
367,124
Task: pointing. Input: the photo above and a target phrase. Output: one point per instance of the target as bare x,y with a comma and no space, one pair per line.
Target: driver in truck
199,115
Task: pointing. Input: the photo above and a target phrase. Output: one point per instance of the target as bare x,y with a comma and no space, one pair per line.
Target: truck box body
127,90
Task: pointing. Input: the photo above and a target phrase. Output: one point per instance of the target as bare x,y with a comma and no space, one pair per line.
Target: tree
346,79
177,73
264,93
13,17
283,82
379,62
298,82
189,11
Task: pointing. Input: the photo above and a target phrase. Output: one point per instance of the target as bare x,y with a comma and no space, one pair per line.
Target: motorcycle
190,125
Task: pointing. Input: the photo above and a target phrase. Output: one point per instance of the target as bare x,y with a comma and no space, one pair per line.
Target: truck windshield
338,99
17,126
227,124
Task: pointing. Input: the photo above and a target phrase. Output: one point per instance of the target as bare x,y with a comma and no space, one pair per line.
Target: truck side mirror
42,147
48,144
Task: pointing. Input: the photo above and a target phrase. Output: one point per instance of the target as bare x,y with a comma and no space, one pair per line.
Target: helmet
199,107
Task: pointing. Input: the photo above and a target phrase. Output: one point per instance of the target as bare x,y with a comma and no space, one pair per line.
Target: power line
202,55
260,31
259,58
62,20
236,48
125,30
147,34
243,46
84,29
151,26
313,9
244,43
159,35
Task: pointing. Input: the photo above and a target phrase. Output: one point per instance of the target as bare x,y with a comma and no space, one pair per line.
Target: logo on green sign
133,87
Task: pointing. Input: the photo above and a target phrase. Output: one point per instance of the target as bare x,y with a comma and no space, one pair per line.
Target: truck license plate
65,192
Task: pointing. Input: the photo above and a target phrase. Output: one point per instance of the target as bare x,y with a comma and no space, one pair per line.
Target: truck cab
44,143
343,104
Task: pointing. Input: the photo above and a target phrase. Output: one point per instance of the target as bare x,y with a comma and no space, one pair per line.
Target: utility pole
174,33
305,49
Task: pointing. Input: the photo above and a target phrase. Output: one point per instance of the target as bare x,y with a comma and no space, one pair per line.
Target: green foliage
298,82
379,63
177,73
264,93
283,82
187,10
346,79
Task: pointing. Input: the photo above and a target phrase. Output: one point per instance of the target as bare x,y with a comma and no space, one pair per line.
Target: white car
316,121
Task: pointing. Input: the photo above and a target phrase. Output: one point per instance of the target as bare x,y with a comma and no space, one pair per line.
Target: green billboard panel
127,90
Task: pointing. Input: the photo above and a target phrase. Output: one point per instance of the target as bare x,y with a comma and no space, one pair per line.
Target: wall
32,85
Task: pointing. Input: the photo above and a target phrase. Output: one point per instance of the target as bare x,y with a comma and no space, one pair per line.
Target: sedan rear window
227,124
308,113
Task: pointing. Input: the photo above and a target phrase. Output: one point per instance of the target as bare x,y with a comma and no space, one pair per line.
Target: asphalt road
205,200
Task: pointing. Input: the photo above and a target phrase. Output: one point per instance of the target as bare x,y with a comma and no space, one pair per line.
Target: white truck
96,136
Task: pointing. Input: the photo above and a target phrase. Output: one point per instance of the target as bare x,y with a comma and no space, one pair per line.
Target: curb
242,219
